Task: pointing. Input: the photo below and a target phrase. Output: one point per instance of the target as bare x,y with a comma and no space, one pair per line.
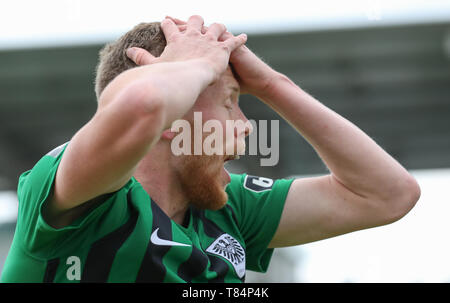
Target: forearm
133,112
174,86
353,158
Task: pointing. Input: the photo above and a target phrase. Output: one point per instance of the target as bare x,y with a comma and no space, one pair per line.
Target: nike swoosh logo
158,241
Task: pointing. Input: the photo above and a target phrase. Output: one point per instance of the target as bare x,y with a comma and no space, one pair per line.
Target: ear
140,56
168,134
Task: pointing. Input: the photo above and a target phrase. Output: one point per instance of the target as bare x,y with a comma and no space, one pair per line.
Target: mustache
228,149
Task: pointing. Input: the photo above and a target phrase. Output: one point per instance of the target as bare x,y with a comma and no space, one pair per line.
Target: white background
36,23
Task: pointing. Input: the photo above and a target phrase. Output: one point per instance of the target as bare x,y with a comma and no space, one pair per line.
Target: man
116,204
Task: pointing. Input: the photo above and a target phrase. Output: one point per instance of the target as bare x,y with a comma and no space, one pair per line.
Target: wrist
207,68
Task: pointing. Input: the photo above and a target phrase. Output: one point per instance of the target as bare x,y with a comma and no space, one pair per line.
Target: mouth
226,174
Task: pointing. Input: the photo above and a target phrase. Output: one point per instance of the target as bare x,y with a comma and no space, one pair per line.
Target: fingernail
131,52
166,21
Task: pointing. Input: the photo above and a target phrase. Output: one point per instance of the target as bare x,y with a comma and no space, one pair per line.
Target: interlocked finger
183,27
226,35
234,42
216,30
176,21
195,23
169,28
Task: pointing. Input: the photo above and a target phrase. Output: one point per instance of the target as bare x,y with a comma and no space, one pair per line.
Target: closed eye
228,104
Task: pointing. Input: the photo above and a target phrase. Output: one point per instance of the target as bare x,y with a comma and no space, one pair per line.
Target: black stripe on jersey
217,264
232,214
195,214
209,227
187,218
102,252
50,270
220,267
152,268
193,266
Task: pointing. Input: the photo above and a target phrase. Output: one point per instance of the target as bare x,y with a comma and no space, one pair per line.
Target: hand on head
191,40
253,74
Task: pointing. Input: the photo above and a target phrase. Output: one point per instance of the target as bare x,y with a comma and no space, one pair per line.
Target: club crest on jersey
229,248
257,184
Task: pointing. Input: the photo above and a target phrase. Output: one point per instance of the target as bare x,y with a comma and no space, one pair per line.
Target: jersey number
257,184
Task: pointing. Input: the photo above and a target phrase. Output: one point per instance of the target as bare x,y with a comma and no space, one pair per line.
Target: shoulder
254,185
246,193
45,167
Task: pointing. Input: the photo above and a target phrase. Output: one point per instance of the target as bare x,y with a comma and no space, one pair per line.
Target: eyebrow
235,89
235,92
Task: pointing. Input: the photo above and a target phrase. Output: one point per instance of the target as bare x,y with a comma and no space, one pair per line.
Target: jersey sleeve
257,203
34,188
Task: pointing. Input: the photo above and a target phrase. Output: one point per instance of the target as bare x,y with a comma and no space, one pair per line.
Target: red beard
201,180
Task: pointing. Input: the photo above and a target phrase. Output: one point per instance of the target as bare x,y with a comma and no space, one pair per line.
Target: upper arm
321,207
102,155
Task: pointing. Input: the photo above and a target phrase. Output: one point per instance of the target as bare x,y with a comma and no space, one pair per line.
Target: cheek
241,147
220,116
235,146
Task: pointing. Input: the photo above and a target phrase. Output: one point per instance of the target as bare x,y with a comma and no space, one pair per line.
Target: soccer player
115,204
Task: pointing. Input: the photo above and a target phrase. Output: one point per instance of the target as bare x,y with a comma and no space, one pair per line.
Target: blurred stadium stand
392,82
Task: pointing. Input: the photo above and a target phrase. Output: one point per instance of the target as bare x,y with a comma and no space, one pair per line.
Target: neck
162,185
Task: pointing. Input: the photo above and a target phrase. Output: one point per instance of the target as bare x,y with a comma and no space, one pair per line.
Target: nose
248,127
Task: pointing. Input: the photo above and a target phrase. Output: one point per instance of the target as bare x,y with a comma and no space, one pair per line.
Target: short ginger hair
113,59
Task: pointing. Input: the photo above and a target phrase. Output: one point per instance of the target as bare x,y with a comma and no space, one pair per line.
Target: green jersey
128,238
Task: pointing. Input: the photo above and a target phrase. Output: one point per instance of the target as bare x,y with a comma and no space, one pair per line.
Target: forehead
228,81
223,87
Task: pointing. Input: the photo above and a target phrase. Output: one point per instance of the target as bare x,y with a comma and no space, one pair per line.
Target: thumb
140,56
